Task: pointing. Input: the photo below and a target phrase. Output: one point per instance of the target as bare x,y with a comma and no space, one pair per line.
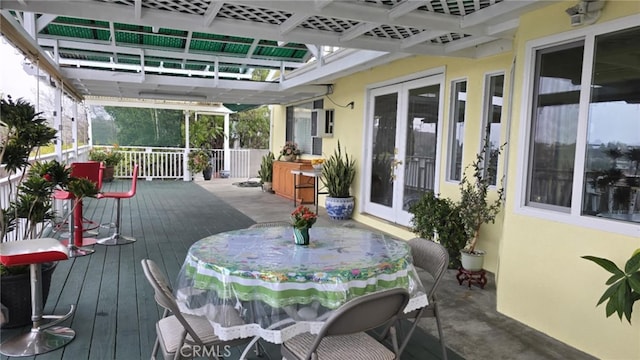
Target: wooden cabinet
283,180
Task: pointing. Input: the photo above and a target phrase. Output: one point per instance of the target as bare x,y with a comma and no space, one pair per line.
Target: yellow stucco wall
542,281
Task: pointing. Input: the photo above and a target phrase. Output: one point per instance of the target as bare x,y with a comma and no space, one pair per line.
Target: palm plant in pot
24,131
266,172
338,173
475,207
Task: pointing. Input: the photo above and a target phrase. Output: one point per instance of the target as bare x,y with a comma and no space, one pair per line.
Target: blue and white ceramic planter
339,208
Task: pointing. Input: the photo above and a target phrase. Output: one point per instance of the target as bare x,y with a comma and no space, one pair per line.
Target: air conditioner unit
323,120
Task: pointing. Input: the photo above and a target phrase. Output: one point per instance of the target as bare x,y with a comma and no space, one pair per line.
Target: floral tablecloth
268,279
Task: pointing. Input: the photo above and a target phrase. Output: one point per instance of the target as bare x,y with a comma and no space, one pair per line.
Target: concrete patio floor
472,326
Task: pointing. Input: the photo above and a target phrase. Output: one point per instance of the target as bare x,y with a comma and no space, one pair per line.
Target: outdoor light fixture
586,12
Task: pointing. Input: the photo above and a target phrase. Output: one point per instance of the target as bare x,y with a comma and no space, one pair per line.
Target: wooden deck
116,313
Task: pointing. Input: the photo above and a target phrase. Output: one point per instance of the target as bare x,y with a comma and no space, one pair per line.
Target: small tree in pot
475,208
338,173
200,161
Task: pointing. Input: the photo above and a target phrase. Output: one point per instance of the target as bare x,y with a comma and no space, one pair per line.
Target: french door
402,146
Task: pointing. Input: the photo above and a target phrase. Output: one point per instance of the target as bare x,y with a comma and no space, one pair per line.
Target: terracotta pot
107,174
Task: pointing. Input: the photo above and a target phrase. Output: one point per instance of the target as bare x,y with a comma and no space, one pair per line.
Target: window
554,125
456,128
300,123
494,85
596,171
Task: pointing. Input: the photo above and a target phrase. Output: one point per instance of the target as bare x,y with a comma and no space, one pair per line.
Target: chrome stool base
37,341
116,239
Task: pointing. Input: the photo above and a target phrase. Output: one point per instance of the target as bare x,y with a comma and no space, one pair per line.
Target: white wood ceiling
372,32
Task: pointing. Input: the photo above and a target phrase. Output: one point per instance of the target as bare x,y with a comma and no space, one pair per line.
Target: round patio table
280,289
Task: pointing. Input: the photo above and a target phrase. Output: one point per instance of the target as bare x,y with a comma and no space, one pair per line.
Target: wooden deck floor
116,313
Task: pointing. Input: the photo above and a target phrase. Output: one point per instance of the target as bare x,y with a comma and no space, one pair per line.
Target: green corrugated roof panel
199,35
163,41
164,31
153,63
122,60
276,52
202,45
235,49
128,38
70,31
120,26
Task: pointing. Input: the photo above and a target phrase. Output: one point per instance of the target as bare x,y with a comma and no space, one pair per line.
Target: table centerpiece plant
302,218
289,151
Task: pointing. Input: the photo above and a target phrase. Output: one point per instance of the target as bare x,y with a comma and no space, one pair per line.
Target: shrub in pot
438,219
109,157
338,173
200,161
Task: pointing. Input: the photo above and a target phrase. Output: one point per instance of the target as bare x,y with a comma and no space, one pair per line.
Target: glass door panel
383,145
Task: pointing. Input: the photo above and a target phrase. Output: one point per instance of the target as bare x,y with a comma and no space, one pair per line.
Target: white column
57,120
74,129
227,153
185,168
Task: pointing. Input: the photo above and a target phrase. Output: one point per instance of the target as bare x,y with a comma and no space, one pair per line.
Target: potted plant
23,132
289,151
266,172
200,161
624,285
475,207
438,219
109,157
302,218
338,173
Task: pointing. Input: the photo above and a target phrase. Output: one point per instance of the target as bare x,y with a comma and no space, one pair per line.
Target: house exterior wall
541,279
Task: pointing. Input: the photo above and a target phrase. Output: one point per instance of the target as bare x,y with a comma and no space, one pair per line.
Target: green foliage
475,208
109,156
338,173
266,168
624,285
438,219
251,128
199,160
146,126
207,132
23,131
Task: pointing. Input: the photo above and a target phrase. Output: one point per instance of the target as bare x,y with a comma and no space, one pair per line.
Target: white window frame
451,124
574,217
486,103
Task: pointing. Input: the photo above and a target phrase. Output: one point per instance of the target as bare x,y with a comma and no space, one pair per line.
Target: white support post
74,129
185,167
227,153
57,120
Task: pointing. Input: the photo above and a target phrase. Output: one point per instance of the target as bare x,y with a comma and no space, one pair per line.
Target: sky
14,80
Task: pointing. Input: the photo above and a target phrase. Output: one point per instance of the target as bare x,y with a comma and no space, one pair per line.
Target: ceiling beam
49,41
292,22
43,21
137,9
404,8
211,12
357,30
498,13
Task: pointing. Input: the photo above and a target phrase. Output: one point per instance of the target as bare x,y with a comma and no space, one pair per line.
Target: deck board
116,313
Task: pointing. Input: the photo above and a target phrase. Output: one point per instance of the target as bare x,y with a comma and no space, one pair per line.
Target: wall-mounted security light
586,12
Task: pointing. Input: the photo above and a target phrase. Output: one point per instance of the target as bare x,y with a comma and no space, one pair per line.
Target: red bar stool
116,238
91,170
43,337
